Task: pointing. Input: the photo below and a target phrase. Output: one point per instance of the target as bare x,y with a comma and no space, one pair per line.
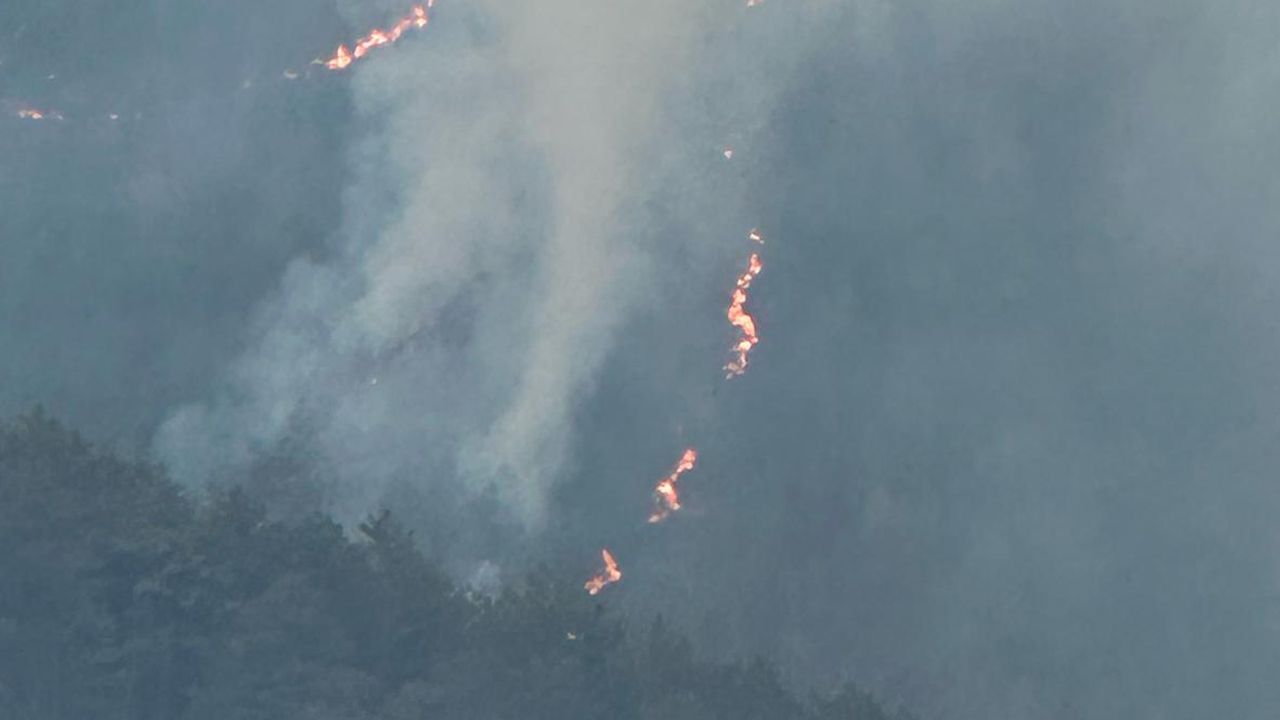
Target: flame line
610,575
343,57
741,319
666,496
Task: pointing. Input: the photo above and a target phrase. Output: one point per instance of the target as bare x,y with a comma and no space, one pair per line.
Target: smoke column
485,263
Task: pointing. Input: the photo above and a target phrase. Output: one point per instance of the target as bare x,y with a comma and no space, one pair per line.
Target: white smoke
484,265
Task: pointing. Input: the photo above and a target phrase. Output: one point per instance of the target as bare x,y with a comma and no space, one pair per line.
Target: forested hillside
122,598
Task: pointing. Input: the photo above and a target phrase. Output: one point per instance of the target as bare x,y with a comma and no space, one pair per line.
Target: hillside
124,599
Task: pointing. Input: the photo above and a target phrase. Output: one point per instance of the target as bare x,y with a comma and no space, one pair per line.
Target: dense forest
125,598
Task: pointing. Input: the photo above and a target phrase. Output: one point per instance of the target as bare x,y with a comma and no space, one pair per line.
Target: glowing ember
611,574
739,318
755,235
343,57
665,495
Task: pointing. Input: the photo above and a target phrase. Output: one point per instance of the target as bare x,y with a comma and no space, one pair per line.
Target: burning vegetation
610,575
666,495
741,319
343,57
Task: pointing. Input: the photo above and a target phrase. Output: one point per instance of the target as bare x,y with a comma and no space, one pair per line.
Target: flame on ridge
666,496
741,319
343,57
611,574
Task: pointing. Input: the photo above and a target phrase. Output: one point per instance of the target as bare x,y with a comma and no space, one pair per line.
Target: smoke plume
486,260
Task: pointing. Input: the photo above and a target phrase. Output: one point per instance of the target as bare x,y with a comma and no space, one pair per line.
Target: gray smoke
489,256
1007,448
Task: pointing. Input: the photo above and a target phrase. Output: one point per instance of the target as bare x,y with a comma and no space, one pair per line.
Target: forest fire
342,57
30,113
741,319
611,574
666,495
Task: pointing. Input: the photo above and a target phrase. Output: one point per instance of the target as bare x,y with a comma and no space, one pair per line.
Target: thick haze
1007,448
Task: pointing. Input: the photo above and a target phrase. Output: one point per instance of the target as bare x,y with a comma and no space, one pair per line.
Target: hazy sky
1007,446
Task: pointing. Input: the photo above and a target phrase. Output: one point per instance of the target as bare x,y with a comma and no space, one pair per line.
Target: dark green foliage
123,599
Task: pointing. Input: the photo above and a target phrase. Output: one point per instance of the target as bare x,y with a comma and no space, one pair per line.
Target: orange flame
342,57
739,318
611,574
30,114
665,495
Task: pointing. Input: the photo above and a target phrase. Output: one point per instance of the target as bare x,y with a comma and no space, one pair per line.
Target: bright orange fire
30,114
665,495
739,318
342,57
611,574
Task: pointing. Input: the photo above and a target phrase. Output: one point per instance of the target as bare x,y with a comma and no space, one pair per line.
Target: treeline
121,598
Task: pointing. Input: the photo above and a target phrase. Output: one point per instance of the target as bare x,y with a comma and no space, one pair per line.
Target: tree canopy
123,598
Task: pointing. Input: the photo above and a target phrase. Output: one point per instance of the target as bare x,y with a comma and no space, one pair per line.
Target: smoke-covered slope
1006,448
